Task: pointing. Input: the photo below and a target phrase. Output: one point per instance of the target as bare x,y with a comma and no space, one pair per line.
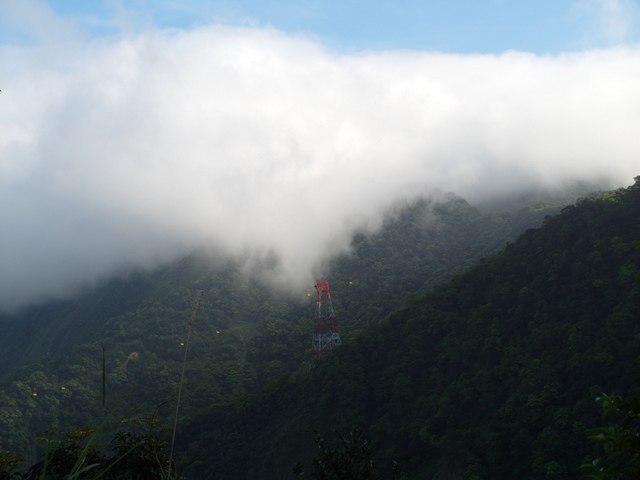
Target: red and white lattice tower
325,330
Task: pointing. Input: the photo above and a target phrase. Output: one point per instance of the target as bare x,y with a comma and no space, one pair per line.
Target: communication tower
325,330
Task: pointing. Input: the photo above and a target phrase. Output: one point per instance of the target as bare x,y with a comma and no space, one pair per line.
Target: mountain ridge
491,375
246,338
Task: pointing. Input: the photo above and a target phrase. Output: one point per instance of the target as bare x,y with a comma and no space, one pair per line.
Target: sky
134,131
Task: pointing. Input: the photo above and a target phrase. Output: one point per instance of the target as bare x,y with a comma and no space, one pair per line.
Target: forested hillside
492,375
408,379
246,335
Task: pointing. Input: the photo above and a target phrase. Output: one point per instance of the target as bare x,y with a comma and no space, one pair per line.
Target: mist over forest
462,330
132,151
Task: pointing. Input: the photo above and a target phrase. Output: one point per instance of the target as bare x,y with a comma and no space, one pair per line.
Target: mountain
247,339
491,375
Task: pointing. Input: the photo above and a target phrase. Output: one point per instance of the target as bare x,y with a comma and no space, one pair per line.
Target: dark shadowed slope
492,375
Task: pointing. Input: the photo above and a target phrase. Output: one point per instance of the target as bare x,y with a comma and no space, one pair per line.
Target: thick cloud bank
132,152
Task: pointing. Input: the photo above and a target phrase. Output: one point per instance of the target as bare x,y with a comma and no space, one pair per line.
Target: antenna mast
325,330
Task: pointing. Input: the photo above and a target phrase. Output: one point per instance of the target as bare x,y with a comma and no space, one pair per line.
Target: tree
620,440
348,460
9,465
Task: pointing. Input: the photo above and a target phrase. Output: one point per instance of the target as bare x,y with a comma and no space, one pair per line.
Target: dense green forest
492,375
460,358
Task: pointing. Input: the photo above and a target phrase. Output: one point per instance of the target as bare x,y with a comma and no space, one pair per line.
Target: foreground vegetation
137,452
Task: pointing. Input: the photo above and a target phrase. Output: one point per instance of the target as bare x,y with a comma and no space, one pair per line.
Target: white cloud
134,151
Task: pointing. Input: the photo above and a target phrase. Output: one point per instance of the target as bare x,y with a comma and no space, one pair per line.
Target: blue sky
462,26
